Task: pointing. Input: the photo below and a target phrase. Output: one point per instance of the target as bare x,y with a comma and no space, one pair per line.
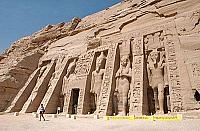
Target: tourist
42,110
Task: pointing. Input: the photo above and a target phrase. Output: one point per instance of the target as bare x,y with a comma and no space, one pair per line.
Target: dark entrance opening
197,95
75,96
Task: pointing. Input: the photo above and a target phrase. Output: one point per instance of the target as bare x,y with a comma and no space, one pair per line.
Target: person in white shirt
42,110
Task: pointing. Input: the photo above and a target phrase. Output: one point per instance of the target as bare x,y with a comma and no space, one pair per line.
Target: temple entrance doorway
75,96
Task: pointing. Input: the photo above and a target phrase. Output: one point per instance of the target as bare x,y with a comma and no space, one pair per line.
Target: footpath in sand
27,122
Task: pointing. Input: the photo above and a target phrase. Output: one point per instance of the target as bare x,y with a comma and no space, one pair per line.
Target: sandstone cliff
102,28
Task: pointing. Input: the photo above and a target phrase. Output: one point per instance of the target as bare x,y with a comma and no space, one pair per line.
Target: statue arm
117,80
149,75
117,74
63,85
166,75
130,73
117,84
67,74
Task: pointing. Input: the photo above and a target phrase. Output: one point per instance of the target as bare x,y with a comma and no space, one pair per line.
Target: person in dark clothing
42,110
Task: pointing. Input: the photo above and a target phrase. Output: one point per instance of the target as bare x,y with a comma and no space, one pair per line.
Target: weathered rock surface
22,58
133,28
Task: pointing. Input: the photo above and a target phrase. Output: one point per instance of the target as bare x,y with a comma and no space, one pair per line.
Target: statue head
75,60
124,61
100,60
154,56
157,34
148,39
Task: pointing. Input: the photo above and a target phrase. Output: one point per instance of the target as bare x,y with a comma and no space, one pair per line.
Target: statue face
154,56
98,63
124,61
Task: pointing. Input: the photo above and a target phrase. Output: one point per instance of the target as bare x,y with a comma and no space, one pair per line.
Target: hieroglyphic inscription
80,101
67,100
84,63
154,40
137,84
174,73
194,72
137,78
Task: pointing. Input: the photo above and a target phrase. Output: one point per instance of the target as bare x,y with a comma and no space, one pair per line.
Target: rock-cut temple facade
136,57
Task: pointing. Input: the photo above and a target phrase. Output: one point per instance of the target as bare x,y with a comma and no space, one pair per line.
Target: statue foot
160,112
121,114
95,112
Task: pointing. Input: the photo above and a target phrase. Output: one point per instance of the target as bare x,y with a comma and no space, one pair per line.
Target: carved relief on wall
154,40
194,73
84,63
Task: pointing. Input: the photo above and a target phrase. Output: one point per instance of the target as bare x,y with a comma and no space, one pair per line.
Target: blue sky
19,18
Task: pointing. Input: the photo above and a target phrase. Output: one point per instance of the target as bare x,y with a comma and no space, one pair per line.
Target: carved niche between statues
158,97
97,79
123,79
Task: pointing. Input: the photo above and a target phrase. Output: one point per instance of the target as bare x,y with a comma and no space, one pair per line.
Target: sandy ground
27,122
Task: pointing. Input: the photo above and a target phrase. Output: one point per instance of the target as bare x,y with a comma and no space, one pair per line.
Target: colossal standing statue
156,67
123,78
97,77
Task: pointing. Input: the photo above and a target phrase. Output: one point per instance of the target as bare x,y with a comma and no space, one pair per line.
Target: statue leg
125,100
61,100
150,101
125,105
161,97
155,92
95,100
115,103
65,103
